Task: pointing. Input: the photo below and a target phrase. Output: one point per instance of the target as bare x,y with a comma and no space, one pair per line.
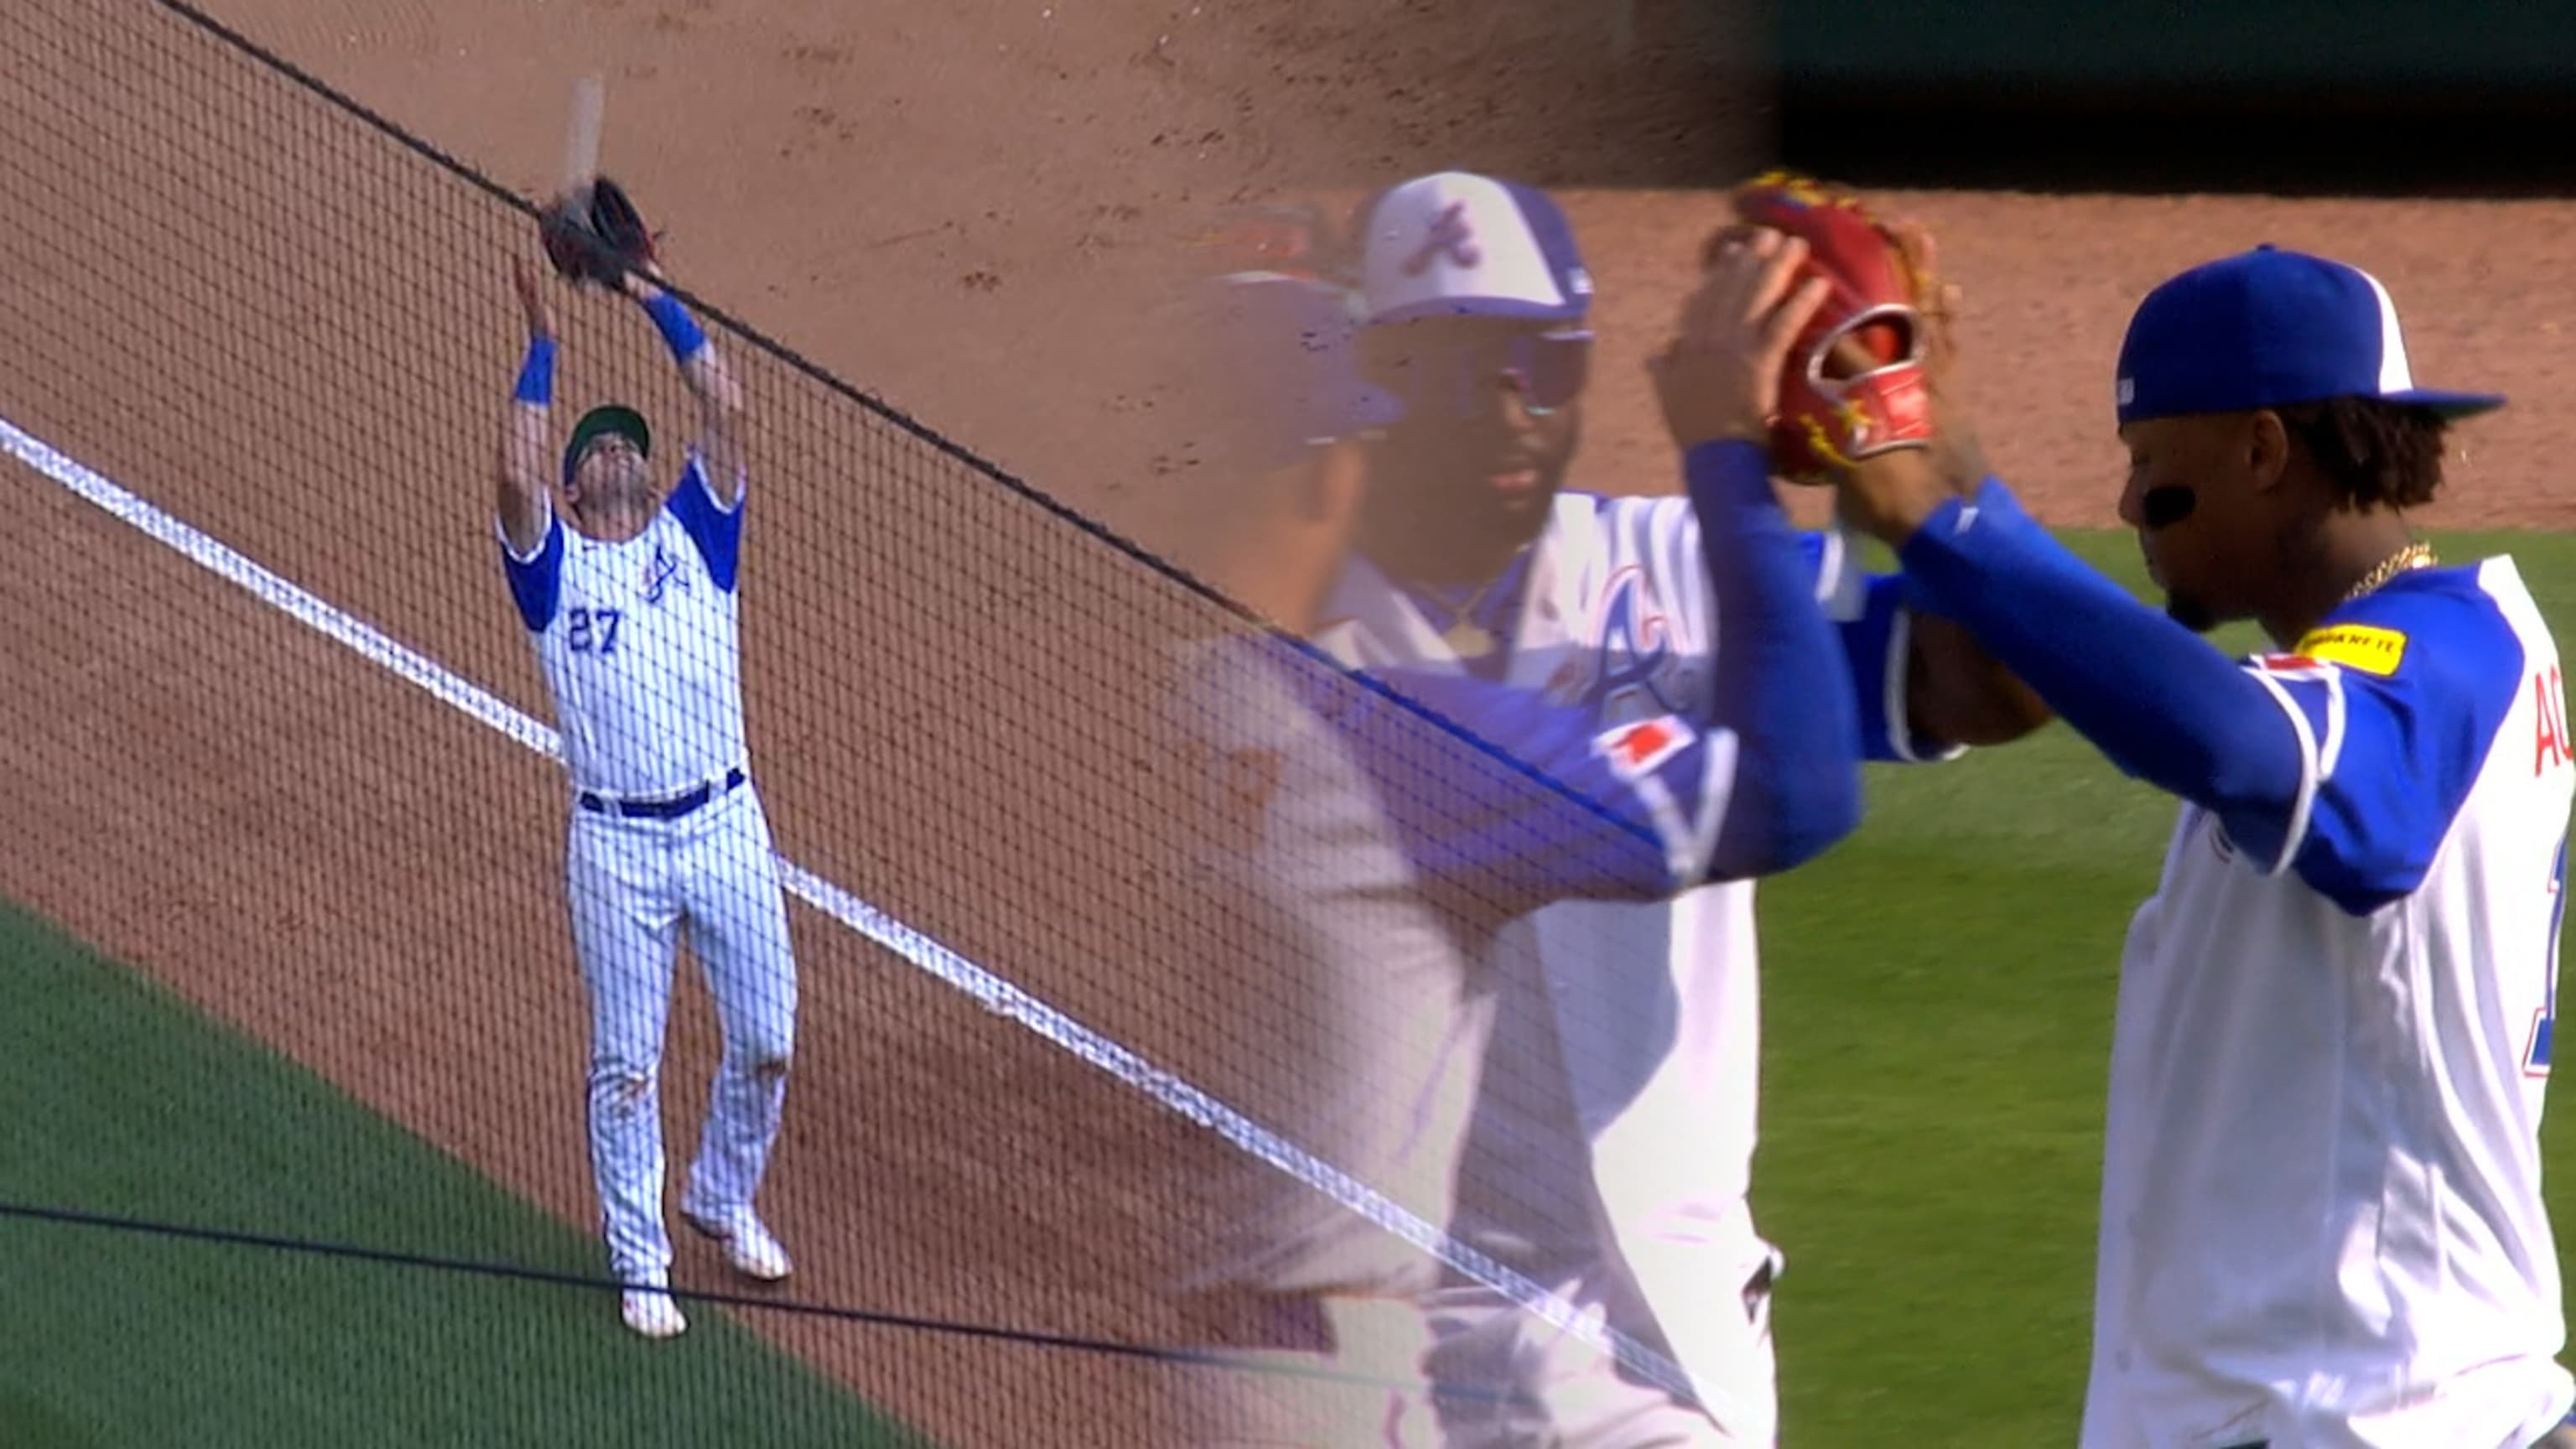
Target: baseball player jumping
1474,563
2322,1224
634,616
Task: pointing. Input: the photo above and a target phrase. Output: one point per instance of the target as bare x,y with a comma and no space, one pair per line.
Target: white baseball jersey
639,642
1657,1003
2321,1216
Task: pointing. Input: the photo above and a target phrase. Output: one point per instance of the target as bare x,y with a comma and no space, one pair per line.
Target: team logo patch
1635,655
2355,646
663,571
1638,750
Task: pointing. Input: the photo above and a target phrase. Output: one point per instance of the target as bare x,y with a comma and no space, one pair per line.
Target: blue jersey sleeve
2396,701
536,582
2151,695
713,527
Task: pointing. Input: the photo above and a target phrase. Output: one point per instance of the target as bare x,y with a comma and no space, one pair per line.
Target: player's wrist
1891,496
679,330
536,384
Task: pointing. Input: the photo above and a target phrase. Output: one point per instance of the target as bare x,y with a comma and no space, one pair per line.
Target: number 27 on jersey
592,630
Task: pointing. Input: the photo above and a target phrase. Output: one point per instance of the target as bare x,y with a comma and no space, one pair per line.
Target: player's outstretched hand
1720,375
532,298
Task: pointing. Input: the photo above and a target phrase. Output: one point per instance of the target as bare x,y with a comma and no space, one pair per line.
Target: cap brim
1506,309
2448,404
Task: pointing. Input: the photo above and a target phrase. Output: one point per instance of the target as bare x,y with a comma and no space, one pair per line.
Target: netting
302,1120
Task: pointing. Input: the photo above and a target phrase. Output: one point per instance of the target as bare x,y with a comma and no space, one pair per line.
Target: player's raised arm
720,406
1779,682
525,506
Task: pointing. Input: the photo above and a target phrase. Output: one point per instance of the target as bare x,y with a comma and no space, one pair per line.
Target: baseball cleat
654,1313
748,1245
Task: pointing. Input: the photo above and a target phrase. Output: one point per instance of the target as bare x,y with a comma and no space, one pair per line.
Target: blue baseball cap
1285,347
1458,244
2269,328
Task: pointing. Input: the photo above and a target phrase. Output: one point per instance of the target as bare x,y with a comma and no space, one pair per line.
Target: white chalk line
990,991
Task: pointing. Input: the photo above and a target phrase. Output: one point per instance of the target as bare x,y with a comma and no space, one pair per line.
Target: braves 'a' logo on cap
1449,233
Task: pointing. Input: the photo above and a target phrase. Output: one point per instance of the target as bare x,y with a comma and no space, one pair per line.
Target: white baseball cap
1458,244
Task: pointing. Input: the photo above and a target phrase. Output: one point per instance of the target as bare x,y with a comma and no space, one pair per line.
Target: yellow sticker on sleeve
2355,646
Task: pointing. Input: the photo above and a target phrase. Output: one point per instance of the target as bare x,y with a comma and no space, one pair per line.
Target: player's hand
642,281
532,298
1720,375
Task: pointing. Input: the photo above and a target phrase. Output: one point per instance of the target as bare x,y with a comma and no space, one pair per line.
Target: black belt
668,808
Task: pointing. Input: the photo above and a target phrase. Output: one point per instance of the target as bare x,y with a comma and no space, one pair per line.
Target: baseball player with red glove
1478,584
2322,1220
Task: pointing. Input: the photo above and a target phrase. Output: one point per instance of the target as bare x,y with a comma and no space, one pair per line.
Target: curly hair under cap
2378,454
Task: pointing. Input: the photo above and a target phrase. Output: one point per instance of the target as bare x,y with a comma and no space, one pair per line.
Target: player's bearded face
611,472
1492,414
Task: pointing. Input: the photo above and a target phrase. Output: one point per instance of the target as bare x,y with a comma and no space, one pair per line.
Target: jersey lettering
2549,709
661,572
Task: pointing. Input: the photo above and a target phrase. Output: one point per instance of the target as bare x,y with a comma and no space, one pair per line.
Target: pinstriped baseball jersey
639,642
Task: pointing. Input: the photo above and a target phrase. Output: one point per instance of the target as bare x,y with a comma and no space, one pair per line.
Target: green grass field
1938,998
122,1101
1938,1002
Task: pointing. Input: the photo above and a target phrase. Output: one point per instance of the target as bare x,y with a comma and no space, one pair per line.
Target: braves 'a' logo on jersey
1635,652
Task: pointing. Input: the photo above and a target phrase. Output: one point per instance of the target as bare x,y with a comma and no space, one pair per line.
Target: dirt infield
302,844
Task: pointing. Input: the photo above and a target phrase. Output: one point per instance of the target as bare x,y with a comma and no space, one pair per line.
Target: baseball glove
1858,379
594,233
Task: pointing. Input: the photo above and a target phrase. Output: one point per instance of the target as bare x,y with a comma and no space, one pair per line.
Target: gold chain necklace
1465,637
2412,556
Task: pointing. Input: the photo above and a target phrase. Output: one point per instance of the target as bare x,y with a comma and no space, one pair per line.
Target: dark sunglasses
1454,364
